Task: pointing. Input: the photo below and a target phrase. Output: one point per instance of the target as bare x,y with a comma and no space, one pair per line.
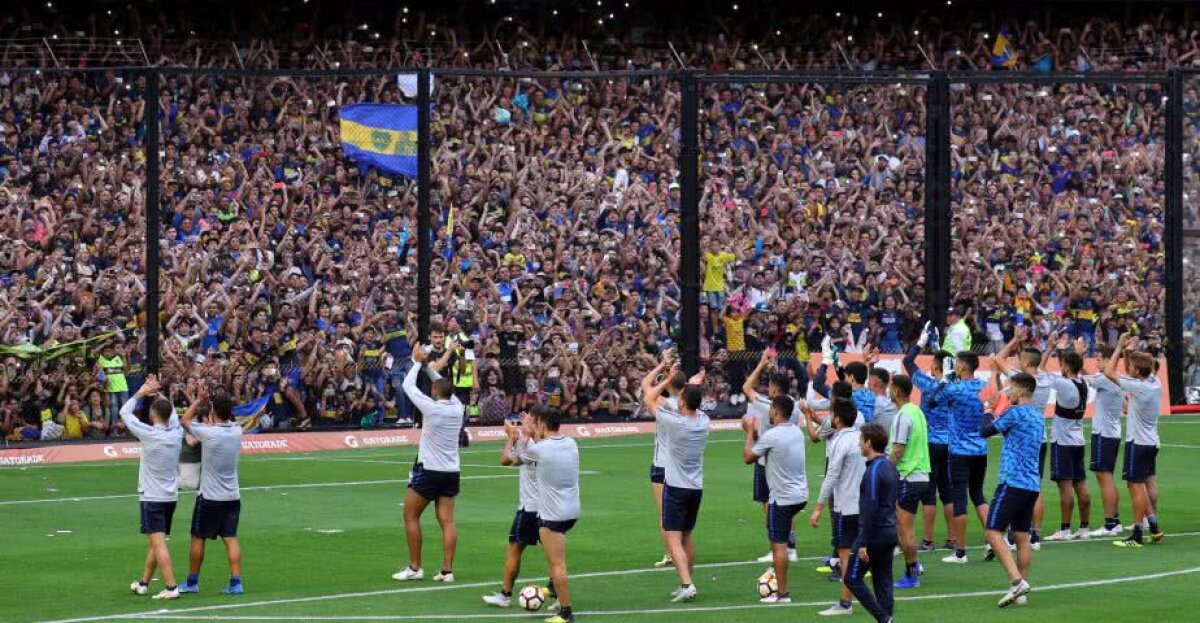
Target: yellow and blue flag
381,135
1002,51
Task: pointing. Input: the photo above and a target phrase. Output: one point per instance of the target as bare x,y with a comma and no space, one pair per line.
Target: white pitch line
684,610
445,587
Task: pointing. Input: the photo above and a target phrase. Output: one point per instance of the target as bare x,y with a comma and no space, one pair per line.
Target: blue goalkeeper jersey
966,416
864,399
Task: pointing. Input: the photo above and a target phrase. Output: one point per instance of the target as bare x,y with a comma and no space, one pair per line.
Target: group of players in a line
886,457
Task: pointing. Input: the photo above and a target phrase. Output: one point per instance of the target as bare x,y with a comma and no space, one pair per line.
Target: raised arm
749,388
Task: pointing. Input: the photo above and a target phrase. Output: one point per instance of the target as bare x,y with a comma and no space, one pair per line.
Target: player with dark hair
910,452
782,445
1067,444
758,421
1106,441
840,489
219,506
556,460
687,438
937,415
874,545
968,451
435,475
1023,427
658,465
158,471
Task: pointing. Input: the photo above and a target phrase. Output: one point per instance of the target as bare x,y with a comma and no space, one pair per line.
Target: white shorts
189,476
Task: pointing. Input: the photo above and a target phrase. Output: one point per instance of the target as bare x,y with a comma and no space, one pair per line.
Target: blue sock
193,579
235,580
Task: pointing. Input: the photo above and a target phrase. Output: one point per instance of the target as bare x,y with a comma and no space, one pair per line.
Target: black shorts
561,527
681,508
779,521
157,517
912,495
524,530
658,475
212,519
939,473
1140,462
1066,463
845,530
762,492
1012,508
1042,461
1104,453
431,484
966,478
514,379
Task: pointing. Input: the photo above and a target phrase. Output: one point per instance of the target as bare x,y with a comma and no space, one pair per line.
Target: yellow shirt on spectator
714,270
735,332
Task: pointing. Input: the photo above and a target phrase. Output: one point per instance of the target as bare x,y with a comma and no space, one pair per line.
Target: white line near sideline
166,613
680,610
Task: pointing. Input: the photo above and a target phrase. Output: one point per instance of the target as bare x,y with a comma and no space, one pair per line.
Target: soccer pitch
322,535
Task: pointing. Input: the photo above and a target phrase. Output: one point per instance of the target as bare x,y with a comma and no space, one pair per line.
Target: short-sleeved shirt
910,429
158,467
760,410
661,451
557,463
1110,402
714,270
885,413
687,438
1063,431
966,417
529,483
220,447
783,448
1145,401
1024,429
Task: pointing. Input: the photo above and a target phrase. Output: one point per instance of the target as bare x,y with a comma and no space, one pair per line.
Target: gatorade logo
583,431
351,441
110,452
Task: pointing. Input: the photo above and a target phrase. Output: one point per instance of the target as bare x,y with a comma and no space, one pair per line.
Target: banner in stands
281,443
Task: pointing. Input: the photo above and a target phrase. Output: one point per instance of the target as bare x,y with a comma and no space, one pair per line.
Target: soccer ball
767,584
532,598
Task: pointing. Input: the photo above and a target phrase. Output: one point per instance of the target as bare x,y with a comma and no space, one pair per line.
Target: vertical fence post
1173,230
938,221
150,118
689,219
424,244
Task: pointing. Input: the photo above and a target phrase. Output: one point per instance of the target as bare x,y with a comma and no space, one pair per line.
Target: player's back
221,446
1024,429
557,461
1145,402
688,440
438,449
785,463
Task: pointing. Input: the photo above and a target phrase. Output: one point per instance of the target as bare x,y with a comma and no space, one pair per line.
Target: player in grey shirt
1066,441
843,475
885,410
557,459
783,448
158,471
687,439
758,419
218,508
1141,436
658,465
435,475
524,530
1106,442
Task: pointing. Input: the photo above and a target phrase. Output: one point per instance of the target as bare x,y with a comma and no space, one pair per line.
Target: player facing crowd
759,421
686,440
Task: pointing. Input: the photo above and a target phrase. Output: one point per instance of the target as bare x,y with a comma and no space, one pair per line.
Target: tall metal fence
586,221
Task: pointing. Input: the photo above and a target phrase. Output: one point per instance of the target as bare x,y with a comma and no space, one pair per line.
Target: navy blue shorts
658,475
524,530
845,530
1141,462
966,477
212,519
762,492
939,474
1104,453
431,484
779,521
561,527
1066,463
912,495
681,508
157,517
1042,461
1011,508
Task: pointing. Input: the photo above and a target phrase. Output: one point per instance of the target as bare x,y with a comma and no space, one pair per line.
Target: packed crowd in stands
289,273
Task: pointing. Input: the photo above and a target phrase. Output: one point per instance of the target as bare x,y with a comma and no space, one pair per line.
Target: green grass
307,547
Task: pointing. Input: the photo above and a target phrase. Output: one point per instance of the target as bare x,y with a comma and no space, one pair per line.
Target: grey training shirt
783,448
687,438
844,473
1063,431
557,464
1145,401
885,412
158,467
661,455
220,447
529,479
760,409
1110,402
443,421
